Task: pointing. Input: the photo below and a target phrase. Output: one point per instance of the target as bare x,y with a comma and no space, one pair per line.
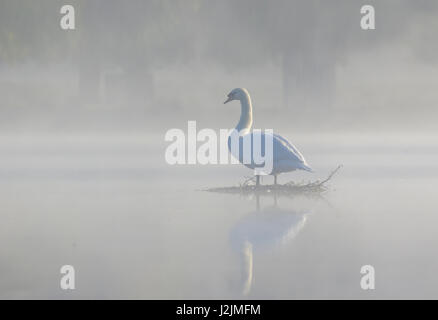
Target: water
134,227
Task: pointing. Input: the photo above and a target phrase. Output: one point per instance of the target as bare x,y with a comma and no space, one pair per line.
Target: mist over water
83,178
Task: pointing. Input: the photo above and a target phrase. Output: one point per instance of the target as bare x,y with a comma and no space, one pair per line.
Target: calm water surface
134,227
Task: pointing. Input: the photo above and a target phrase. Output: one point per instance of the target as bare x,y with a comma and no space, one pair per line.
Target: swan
286,156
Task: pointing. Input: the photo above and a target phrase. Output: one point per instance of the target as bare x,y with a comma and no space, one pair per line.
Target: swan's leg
275,179
257,180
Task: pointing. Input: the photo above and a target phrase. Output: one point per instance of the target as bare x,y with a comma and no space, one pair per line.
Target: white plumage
286,157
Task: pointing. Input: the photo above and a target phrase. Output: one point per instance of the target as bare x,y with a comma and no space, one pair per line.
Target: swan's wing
284,150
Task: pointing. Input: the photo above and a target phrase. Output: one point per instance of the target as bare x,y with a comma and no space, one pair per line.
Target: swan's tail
306,167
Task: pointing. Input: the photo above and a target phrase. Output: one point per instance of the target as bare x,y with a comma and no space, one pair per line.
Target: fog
84,181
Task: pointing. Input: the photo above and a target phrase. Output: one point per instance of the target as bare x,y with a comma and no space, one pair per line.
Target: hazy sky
291,55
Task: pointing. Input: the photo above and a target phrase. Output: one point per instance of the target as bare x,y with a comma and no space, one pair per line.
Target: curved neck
245,122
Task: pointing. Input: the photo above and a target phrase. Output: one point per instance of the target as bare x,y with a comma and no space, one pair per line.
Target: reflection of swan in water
261,230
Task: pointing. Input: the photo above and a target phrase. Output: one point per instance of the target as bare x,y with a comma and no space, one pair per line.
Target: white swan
286,156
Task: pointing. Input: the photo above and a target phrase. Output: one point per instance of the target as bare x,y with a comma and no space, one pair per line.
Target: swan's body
286,156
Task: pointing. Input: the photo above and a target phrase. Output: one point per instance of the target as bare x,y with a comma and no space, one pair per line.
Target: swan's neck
245,122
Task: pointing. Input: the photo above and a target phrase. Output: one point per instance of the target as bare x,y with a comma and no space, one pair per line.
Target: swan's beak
228,100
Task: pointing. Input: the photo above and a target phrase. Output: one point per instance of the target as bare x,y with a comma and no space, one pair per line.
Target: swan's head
237,94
